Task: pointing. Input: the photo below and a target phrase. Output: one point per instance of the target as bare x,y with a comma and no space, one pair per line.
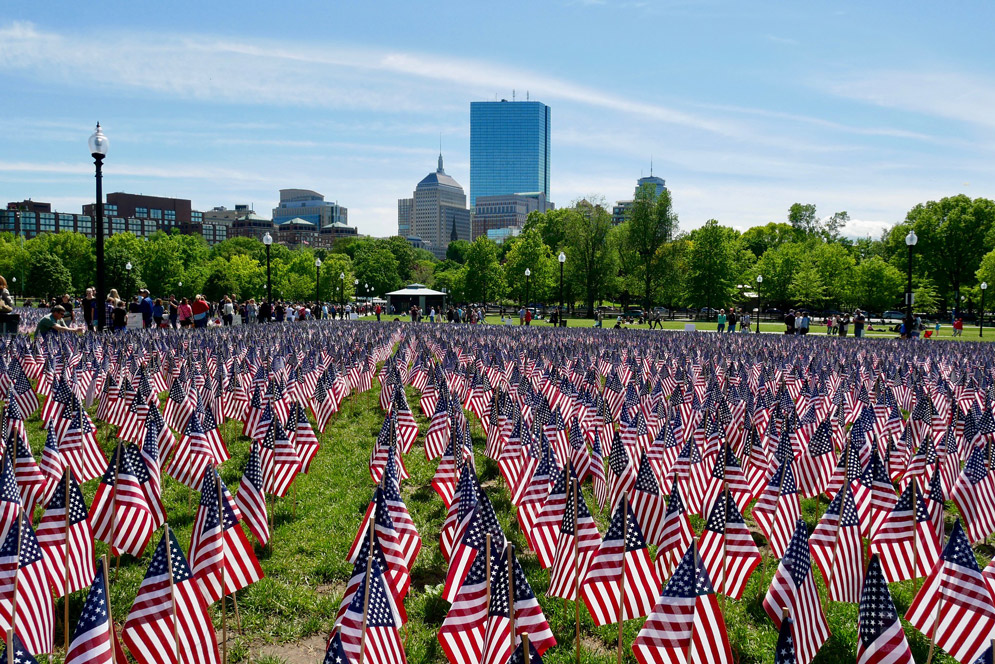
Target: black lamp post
760,302
317,281
563,259
528,273
981,320
98,150
128,266
267,241
910,241
342,299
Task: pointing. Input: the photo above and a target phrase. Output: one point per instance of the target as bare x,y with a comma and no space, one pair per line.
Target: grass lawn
292,609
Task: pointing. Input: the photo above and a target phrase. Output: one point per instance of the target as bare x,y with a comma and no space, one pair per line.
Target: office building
309,206
621,209
405,207
438,212
506,211
509,148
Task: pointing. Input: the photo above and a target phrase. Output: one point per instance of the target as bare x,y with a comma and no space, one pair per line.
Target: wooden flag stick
117,472
527,658
172,592
17,577
936,627
915,528
65,561
224,614
107,593
576,488
366,589
621,589
10,646
511,592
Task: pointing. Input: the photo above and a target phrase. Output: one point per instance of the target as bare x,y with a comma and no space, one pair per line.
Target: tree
117,256
806,287
591,254
404,254
531,253
927,299
802,218
954,235
240,276
163,263
551,225
713,262
759,239
48,276
375,265
457,251
652,222
75,250
834,265
833,225
878,285
778,266
484,280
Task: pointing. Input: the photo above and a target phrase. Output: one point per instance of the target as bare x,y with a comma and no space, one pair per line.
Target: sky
743,108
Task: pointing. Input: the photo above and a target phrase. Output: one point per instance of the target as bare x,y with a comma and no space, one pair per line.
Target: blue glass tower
509,148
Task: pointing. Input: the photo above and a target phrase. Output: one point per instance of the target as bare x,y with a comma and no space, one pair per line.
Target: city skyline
743,110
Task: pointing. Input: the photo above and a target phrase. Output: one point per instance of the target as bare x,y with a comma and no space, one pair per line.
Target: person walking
227,311
200,309
744,322
722,321
184,313
803,324
89,308
157,312
173,311
9,321
732,319
789,322
858,323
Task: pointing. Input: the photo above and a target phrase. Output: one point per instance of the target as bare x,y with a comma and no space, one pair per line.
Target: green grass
307,567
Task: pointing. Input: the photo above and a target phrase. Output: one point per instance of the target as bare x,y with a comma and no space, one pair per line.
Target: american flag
794,588
686,624
305,440
218,547
408,537
546,526
459,512
881,639
120,514
648,504
369,626
20,389
578,540
53,538
482,522
407,428
677,534
24,587
622,559
251,499
907,545
334,652
194,454
279,458
95,641
79,447
727,548
838,549
621,473
389,541
170,611
10,499
513,610
974,496
778,509
816,466
874,496
30,480
784,651
954,607
146,464
52,464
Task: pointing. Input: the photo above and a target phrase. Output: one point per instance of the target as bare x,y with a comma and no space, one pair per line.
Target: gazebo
402,300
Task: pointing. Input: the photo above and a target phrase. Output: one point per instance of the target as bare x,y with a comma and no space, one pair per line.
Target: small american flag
53,538
120,514
954,607
34,620
95,641
727,547
251,499
838,549
513,610
777,509
370,623
907,545
794,588
676,536
622,552
279,458
482,521
578,540
686,624
170,611
21,654
881,639
974,495
648,504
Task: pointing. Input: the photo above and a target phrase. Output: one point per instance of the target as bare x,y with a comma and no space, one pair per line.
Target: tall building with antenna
509,148
621,208
436,214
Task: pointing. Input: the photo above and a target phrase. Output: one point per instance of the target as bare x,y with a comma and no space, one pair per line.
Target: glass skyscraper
509,148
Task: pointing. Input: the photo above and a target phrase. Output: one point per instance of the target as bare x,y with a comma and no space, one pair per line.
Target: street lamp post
981,321
910,241
342,299
317,281
267,241
98,150
128,266
760,302
13,280
528,273
563,259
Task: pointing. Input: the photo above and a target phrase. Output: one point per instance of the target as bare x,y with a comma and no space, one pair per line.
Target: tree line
805,261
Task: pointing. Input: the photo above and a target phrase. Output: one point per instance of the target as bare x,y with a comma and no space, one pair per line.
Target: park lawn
306,569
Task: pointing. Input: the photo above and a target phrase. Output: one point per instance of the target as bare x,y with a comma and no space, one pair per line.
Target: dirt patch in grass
305,651
336,589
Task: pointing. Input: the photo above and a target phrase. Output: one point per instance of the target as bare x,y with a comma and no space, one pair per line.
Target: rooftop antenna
651,165
513,94
526,95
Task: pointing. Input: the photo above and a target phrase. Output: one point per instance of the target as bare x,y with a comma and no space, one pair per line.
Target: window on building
46,222
170,215
195,216
155,214
141,212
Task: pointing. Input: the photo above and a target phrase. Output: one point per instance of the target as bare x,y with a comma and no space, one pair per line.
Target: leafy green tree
954,235
878,285
75,250
163,263
759,239
777,266
47,276
591,252
240,276
927,298
834,265
423,272
333,287
833,226
531,253
802,218
651,223
713,264
483,277
551,225
376,265
457,251
806,286
117,256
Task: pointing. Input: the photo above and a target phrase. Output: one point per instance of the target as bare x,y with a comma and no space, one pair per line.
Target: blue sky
745,108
